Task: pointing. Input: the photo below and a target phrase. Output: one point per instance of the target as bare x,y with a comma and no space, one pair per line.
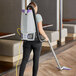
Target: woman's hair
33,4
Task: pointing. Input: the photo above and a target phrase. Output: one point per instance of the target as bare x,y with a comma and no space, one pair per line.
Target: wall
69,10
48,9
10,16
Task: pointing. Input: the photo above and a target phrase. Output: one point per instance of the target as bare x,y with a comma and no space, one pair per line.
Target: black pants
27,47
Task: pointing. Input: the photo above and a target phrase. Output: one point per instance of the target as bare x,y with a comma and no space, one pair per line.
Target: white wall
23,3
28,1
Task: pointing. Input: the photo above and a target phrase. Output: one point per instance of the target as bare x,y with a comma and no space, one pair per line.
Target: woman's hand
47,39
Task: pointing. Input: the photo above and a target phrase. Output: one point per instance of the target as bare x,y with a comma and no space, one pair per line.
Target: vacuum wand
54,55
59,66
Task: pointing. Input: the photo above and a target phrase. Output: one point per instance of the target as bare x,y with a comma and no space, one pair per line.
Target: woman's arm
42,32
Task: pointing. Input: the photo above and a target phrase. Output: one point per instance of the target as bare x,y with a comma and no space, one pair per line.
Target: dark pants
27,47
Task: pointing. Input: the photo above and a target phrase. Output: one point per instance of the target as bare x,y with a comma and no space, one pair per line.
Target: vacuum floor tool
59,66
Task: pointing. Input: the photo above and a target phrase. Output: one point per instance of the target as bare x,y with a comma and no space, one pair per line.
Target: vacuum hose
37,31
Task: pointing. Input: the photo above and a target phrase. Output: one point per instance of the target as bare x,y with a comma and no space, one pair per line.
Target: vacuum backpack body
28,29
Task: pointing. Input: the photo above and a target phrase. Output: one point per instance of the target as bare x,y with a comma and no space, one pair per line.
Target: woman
35,45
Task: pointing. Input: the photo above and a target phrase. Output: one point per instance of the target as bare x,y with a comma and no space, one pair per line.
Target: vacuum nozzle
64,68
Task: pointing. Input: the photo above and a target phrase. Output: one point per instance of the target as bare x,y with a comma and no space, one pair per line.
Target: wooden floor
48,67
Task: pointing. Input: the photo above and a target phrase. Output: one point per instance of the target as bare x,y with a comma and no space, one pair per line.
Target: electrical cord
19,50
